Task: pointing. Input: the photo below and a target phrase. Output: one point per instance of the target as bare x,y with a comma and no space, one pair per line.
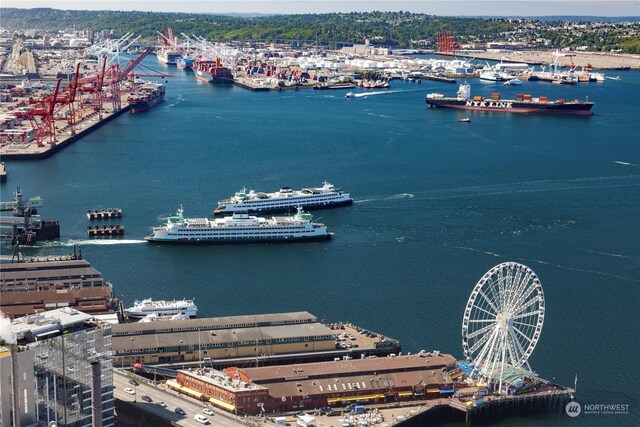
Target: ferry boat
148,306
212,71
146,96
239,228
284,200
523,103
167,56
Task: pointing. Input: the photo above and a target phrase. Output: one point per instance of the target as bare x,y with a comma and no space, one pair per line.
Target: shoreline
598,60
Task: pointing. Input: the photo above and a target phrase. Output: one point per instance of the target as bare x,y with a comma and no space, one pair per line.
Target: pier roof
227,322
348,367
220,337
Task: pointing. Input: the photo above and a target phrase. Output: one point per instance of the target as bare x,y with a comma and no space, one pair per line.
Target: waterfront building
249,339
35,285
309,386
65,367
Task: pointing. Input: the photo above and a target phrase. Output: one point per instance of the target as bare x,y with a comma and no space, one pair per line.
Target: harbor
435,204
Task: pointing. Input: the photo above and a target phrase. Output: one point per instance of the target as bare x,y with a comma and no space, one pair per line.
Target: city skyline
442,8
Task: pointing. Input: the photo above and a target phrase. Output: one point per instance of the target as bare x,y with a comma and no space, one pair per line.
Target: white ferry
239,228
285,199
147,306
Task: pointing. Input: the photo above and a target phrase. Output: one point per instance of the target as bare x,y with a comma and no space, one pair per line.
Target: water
438,203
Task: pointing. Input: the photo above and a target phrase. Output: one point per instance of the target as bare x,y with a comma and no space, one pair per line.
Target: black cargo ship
523,103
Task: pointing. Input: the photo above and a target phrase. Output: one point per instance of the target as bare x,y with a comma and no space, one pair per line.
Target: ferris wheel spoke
482,309
481,341
523,307
526,293
489,302
527,325
518,345
523,315
523,335
481,320
481,331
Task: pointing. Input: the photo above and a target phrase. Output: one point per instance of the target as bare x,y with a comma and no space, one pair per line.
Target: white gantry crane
502,322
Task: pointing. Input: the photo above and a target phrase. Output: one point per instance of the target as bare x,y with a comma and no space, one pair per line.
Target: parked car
207,411
180,411
201,419
146,398
129,390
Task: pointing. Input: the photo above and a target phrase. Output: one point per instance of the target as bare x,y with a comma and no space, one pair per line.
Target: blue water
438,203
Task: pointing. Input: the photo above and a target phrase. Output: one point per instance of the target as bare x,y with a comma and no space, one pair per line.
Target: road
190,406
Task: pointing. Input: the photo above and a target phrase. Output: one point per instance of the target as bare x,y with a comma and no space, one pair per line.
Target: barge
104,213
105,230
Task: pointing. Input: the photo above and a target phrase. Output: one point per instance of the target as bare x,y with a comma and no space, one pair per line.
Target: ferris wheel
502,321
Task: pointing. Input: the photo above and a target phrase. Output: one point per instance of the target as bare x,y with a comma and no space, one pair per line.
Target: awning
353,398
222,404
187,390
405,393
173,384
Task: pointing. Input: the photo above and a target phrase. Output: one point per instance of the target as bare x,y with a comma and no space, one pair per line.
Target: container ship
212,71
167,56
239,228
523,103
146,96
284,200
148,306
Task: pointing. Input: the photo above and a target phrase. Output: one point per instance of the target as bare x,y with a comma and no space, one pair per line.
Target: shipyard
455,249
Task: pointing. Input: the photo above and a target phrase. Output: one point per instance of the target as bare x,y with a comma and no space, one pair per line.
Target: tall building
25,372
60,388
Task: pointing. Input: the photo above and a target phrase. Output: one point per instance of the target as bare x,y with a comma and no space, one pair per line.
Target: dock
31,151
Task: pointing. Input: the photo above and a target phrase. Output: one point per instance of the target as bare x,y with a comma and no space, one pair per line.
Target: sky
431,7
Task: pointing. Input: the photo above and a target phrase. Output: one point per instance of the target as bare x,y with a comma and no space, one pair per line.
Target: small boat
465,120
350,95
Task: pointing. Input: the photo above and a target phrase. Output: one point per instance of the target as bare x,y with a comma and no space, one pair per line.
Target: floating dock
105,230
104,213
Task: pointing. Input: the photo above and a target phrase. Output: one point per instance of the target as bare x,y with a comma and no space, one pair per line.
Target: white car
129,390
207,411
201,419
161,403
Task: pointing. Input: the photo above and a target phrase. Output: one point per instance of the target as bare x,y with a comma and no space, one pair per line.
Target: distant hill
403,29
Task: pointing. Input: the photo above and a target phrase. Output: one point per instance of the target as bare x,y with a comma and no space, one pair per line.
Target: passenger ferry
239,228
284,200
148,306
